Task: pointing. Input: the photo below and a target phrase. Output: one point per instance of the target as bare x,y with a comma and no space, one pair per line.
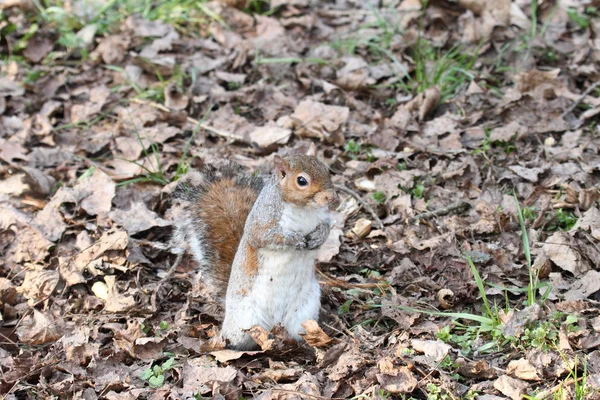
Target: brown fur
251,264
224,209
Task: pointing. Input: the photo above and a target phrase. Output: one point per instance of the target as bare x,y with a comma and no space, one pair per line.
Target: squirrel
255,240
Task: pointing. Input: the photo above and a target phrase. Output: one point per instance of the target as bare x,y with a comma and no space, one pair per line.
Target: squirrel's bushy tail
215,204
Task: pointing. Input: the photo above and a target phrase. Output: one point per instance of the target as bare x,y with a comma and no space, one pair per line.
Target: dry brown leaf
585,286
589,222
314,335
38,285
436,350
269,135
529,174
523,369
347,363
511,387
261,336
23,242
199,374
559,248
37,48
137,219
514,322
38,328
508,132
72,270
116,301
96,192
317,120
97,98
113,48
229,355
398,380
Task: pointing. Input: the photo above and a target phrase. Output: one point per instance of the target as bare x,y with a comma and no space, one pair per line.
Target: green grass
187,16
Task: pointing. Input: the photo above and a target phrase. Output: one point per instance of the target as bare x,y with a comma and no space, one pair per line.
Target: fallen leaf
398,380
522,369
97,98
261,336
515,321
269,135
113,48
229,355
96,192
137,219
23,242
560,250
511,387
72,270
434,349
314,335
199,374
37,48
585,286
117,302
39,285
38,328
317,120
530,174
589,221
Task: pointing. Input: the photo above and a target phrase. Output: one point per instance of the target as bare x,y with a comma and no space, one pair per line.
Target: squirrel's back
216,204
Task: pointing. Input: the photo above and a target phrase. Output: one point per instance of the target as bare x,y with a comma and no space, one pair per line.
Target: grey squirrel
255,240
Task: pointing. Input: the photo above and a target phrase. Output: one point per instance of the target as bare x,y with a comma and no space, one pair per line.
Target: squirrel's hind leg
304,307
239,317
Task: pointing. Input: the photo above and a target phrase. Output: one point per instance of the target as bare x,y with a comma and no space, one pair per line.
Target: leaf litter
433,118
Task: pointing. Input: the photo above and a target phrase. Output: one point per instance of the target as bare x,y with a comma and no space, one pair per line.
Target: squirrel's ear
280,166
312,150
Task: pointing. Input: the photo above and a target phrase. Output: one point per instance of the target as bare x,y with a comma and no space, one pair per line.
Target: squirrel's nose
332,199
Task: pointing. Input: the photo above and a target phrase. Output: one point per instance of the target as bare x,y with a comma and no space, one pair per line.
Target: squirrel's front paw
316,238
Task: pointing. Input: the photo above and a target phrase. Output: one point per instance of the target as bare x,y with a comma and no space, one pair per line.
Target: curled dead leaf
314,335
38,328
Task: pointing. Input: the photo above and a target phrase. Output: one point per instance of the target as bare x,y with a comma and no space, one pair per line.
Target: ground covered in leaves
462,136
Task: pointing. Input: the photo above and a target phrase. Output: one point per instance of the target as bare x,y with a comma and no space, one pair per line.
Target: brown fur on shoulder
217,201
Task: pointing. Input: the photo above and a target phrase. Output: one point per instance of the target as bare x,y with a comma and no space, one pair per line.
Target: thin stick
193,121
442,211
347,285
363,203
581,98
164,280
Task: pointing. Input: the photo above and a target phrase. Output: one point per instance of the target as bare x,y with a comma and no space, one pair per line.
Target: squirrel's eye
301,181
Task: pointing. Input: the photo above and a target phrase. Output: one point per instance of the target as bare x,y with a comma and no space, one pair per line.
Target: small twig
193,121
347,285
363,203
459,206
302,394
581,98
164,280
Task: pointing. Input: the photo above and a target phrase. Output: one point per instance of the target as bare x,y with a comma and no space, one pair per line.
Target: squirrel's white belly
287,292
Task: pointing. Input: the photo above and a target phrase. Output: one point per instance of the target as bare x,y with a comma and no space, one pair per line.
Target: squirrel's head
305,181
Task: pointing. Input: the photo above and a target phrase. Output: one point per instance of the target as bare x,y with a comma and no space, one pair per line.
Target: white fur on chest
302,220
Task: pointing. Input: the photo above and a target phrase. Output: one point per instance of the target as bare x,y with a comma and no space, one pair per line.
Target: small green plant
353,148
581,20
402,166
486,145
379,197
564,220
436,393
155,376
418,191
163,325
